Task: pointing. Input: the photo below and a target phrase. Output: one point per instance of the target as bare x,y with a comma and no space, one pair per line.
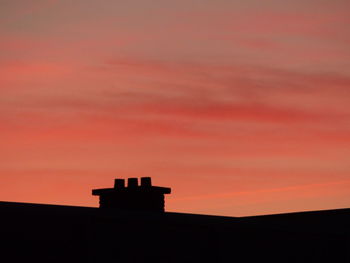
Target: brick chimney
144,197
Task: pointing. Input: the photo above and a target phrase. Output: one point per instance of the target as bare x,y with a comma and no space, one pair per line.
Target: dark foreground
49,233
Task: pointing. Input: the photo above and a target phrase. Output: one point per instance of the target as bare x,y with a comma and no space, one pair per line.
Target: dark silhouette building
124,233
144,197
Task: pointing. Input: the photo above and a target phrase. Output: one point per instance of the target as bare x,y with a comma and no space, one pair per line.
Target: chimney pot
132,183
146,182
119,183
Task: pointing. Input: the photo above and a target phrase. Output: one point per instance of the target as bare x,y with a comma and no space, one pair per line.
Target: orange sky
242,107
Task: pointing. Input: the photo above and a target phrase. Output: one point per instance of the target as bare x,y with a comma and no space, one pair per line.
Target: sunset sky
241,107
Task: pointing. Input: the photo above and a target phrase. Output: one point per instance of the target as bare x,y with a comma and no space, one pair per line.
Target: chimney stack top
145,196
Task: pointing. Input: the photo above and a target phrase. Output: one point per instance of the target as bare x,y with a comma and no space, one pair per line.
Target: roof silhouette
54,233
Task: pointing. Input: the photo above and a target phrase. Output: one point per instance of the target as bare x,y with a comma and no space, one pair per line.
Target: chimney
134,197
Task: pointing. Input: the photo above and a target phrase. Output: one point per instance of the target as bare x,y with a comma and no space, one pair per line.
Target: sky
241,107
